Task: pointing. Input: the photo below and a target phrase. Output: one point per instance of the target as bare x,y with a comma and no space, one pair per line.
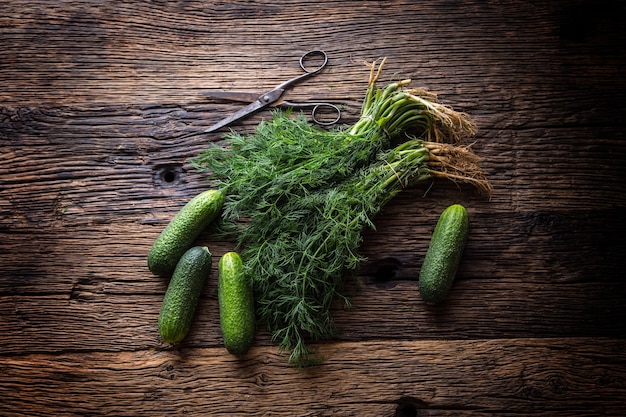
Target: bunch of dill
299,197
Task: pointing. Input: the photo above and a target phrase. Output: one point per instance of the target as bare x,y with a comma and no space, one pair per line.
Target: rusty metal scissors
273,98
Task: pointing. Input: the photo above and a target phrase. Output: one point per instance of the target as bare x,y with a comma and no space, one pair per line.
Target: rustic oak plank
88,317
106,299
70,171
538,377
165,54
398,245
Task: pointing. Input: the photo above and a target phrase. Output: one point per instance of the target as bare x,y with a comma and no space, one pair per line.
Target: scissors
273,98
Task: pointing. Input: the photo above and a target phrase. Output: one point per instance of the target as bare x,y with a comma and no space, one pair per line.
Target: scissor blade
238,115
231,95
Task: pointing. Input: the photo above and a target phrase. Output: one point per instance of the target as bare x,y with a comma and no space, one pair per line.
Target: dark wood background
92,96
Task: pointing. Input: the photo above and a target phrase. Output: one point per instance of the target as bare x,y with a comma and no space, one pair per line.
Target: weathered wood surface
437,377
92,97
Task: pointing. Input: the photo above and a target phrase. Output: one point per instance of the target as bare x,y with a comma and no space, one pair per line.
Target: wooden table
92,96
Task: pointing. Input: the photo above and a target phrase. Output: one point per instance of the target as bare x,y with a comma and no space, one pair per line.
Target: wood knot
168,175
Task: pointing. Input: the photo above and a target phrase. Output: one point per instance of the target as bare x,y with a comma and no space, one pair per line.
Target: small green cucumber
182,230
183,292
444,254
236,304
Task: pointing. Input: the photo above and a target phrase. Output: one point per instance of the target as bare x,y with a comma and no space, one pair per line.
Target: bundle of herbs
298,198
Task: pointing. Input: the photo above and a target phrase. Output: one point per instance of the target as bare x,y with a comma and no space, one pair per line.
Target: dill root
299,197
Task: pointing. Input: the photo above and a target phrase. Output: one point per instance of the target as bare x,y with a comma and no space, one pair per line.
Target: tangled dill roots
414,111
448,125
458,164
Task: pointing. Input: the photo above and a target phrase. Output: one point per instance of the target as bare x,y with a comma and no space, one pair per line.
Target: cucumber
444,254
183,292
236,304
182,230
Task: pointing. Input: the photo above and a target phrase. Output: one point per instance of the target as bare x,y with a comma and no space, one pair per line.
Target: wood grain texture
442,378
94,97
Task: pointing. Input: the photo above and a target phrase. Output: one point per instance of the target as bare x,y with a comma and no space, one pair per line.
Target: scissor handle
316,108
307,71
309,54
325,105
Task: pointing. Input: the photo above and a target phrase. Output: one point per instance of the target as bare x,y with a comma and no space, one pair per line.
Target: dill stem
378,103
